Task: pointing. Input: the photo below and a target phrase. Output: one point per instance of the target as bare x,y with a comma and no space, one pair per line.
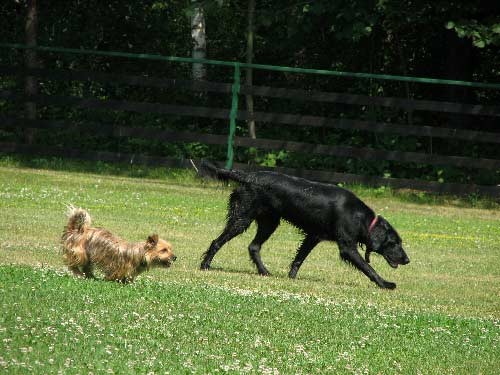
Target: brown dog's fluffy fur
85,246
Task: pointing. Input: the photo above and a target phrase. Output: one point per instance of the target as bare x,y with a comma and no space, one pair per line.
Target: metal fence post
235,89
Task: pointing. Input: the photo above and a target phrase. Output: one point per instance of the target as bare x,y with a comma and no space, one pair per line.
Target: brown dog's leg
76,271
88,271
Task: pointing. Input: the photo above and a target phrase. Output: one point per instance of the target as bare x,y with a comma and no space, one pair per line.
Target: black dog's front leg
350,254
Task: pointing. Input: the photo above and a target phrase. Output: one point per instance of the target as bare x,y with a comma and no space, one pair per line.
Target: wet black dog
321,211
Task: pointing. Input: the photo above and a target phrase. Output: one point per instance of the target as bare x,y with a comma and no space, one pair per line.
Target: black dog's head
384,239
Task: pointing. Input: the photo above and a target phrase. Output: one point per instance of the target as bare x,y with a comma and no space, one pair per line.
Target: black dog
321,211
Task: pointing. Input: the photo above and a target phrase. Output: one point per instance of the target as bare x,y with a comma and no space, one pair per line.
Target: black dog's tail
208,169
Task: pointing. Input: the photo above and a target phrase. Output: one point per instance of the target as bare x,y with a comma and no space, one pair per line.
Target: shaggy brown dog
85,246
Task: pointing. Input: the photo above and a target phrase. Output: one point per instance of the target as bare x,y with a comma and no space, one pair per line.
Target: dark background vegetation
440,39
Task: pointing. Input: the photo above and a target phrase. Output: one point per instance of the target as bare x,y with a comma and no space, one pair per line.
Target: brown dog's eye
163,250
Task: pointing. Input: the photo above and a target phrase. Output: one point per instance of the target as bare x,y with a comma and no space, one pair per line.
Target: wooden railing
284,119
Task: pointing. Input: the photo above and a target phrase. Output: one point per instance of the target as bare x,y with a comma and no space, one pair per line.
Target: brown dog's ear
152,240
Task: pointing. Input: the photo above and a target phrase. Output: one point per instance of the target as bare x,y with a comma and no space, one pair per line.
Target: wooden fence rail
317,175
283,93
271,144
365,153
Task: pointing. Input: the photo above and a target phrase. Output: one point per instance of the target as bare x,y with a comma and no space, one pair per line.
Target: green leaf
450,25
479,43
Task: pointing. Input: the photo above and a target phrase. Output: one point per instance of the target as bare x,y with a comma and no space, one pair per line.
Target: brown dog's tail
208,169
78,219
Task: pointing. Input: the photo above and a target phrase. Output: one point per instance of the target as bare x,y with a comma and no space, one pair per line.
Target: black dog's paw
388,285
204,267
264,272
292,274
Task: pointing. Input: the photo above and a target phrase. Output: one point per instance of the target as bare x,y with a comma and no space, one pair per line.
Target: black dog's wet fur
321,211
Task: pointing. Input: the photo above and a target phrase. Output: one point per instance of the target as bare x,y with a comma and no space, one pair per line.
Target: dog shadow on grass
278,275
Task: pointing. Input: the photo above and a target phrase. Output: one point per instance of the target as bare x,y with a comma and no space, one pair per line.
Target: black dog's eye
389,243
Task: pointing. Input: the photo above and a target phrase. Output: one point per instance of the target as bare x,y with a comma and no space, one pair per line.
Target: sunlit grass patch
178,327
442,318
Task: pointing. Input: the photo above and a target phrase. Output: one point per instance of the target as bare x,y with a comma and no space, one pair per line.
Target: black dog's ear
378,234
152,240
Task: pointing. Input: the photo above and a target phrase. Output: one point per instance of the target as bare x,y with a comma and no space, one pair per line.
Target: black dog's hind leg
233,228
266,225
302,253
349,253
240,216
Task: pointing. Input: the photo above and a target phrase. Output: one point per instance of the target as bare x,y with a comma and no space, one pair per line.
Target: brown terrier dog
85,246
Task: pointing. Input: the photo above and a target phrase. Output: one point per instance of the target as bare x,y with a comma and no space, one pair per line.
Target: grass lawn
444,316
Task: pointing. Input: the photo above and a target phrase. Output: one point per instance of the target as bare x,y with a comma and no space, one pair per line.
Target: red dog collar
372,224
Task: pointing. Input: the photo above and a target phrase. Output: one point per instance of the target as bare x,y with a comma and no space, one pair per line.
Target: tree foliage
440,39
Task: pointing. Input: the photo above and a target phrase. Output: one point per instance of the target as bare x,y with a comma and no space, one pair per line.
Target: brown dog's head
159,252
386,241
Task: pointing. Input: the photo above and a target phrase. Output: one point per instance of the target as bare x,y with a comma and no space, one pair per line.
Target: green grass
444,316
186,177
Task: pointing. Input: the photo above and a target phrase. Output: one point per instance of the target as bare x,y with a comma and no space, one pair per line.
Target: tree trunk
31,84
199,41
404,70
249,71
